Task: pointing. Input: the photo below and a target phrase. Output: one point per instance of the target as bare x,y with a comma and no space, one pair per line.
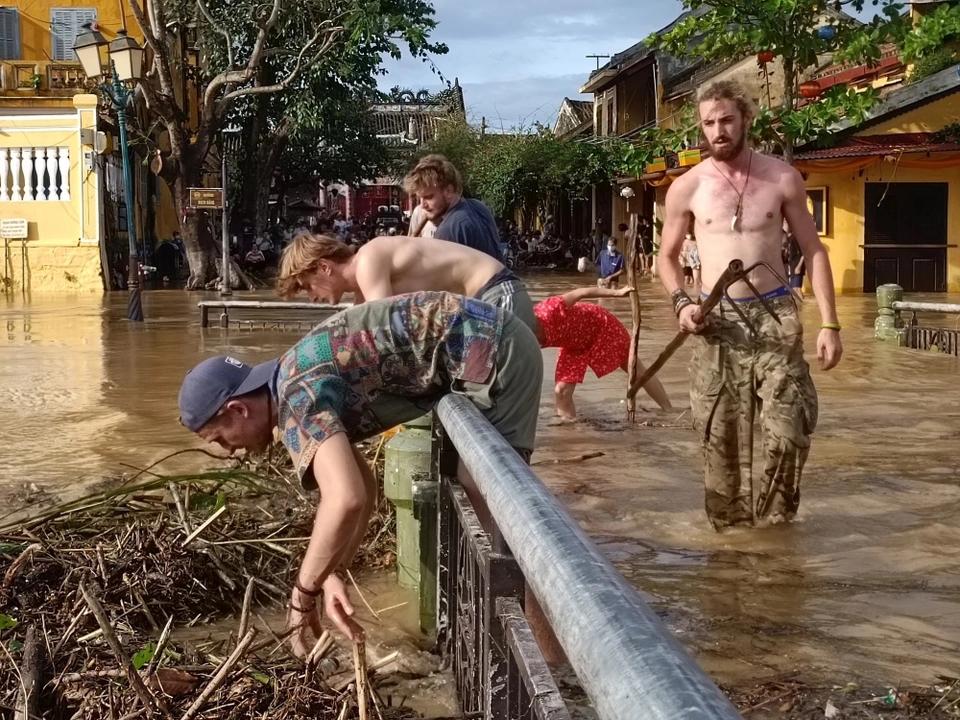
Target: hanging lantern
810,89
826,32
765,56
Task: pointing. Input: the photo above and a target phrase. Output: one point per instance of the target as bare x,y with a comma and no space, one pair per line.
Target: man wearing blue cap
360,372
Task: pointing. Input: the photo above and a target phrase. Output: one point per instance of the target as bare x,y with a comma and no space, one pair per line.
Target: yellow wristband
830,326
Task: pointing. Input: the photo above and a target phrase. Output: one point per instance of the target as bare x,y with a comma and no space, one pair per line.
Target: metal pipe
951,308
271,305
626,659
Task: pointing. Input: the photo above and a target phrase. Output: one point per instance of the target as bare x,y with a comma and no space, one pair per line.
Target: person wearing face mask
610,263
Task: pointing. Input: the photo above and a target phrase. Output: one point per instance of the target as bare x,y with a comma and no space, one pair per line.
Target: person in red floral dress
588,336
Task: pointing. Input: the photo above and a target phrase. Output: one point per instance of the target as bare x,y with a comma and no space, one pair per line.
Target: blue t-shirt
471,223
609,263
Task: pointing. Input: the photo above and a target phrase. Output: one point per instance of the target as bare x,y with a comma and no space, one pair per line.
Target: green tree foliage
932,43
801,33
280,68
526,172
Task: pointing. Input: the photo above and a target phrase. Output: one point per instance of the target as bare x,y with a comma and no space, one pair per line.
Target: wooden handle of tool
733,273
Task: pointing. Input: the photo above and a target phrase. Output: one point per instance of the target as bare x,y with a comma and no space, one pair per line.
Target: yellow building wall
927,118
845,214
62,250
36,37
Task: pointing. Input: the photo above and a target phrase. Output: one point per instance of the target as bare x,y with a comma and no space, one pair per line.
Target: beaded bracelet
680,300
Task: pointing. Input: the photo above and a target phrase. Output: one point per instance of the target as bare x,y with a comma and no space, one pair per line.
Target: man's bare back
709,197
392,265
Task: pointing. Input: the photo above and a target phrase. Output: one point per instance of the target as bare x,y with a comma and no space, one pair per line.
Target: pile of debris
792,698
96,592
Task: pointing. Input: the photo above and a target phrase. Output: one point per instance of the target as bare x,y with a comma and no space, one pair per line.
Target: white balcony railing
34,174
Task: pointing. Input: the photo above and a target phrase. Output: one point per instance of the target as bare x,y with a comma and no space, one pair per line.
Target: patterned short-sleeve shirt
373,366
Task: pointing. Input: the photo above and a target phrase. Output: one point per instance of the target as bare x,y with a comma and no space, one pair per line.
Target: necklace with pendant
738,213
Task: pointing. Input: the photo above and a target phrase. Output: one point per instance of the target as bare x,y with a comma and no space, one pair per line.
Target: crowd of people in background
540,249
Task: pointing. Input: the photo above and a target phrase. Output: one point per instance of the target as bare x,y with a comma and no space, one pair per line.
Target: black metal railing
481,630
936,339
266,314
918,337
626,661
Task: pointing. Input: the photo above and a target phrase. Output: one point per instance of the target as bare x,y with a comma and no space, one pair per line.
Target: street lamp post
125,63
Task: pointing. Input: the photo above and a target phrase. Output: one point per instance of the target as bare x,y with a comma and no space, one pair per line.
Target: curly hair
303,254
433,171
729,90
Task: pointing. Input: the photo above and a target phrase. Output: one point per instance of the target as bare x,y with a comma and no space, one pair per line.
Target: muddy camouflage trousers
736,377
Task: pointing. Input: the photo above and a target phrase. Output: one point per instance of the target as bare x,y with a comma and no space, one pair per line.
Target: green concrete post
888,324
409,486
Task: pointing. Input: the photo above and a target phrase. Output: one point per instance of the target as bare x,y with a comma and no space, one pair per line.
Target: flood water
863,586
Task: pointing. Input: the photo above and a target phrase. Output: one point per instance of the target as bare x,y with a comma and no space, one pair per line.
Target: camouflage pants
734,376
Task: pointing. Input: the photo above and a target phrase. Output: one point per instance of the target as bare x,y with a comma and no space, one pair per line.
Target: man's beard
728,151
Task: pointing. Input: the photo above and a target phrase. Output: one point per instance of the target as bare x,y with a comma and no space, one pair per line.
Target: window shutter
9,34
65,25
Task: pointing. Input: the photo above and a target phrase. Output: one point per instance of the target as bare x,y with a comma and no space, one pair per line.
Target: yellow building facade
49,166
889,192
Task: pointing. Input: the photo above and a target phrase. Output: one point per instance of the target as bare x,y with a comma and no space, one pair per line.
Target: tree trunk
268,160
196,242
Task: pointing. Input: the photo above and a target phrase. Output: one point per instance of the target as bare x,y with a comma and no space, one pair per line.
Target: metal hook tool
734,273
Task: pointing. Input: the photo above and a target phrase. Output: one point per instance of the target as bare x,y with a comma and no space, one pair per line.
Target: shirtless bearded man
738,200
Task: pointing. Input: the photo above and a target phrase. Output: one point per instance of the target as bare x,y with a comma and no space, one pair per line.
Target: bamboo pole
360,668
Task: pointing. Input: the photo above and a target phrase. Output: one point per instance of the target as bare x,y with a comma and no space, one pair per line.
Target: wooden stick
245,613
221,675
362,598
17,565
732,274
206,523
322,640
30,681
161,646
181,510
143,692
381,663
360,668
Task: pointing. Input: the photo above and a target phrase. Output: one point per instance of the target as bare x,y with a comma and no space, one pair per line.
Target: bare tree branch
331,35
161,60
222,30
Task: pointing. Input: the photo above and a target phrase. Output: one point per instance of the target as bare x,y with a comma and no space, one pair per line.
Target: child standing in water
588,336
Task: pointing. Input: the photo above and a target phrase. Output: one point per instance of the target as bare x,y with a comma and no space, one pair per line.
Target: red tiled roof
866,146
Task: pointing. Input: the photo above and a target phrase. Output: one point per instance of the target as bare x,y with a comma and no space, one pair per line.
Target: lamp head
127,57
87,49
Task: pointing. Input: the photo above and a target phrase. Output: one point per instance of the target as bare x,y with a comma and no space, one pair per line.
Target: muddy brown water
864,585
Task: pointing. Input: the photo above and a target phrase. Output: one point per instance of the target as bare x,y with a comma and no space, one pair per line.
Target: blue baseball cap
214,381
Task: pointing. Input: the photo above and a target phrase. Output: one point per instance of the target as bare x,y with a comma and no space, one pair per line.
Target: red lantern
765,56
810,89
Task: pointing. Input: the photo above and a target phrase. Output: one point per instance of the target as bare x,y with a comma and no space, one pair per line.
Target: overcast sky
517,59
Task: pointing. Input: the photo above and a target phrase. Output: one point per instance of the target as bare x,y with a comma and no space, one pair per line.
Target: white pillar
4,168
17,191
52,173
39,167
63,161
